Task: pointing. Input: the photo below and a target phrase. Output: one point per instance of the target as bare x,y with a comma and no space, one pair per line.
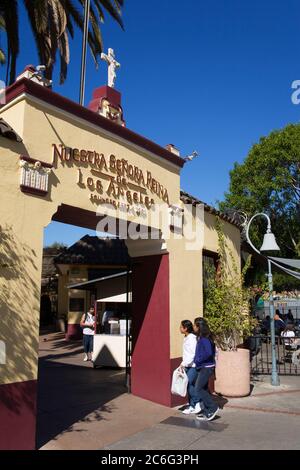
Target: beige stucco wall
52,126
232,238
76,274
185,290
21,246
186,283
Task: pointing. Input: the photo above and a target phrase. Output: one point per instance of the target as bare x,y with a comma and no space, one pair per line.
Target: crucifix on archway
112,66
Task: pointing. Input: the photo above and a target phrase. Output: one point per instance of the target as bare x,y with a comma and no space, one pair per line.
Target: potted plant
227,311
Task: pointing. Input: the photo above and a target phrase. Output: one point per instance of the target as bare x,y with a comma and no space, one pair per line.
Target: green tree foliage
53,24
227,301
281,281
269,181
57,246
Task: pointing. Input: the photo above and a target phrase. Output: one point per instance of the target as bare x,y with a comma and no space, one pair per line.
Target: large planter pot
233,373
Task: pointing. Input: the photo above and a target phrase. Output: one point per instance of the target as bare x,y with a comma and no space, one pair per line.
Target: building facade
64,162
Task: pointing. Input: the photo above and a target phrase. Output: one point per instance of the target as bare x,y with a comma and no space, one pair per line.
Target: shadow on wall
19,310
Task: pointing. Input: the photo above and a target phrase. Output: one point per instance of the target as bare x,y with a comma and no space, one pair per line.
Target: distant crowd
283,322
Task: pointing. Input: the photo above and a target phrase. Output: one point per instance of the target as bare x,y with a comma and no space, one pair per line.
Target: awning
295,274
87,285
294,263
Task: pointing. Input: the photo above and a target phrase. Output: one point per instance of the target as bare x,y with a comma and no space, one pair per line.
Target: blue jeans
88,343
201,386
193,396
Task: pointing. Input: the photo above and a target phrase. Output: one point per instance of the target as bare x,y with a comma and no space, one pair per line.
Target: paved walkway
267,419
83,408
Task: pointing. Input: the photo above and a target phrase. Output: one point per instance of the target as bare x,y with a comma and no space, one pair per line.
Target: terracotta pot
233,373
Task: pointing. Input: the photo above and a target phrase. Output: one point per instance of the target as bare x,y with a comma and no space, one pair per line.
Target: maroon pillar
74,332
18,415
151,365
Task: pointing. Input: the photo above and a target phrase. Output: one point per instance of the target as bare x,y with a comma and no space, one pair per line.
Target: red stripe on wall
150,374
18,415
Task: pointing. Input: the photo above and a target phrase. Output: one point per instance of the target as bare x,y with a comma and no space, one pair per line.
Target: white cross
112,66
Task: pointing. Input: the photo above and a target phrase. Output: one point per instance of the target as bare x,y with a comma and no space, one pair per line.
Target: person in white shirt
88,324
290,338
188,355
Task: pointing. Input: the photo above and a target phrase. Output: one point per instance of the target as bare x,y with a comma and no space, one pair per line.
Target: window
76,304
209,267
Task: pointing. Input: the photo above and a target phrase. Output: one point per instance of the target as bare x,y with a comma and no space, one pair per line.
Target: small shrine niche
106,101
34,177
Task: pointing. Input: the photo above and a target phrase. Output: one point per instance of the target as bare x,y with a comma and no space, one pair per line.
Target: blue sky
219,71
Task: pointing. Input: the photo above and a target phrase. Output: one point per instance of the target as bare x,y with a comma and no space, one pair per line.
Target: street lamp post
84,48
269,244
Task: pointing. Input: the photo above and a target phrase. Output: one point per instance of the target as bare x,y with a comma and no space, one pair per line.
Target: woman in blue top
205,365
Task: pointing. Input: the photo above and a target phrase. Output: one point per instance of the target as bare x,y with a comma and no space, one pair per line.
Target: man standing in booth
88,324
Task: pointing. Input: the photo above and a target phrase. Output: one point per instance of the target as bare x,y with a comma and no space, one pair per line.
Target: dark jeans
201,386
88,342
193,396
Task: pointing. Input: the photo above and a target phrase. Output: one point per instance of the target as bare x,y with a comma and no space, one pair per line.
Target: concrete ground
83,408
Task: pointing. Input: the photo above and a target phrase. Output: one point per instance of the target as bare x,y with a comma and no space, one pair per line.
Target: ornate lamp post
269,244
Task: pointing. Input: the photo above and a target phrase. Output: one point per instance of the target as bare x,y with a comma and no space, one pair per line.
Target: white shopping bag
179,382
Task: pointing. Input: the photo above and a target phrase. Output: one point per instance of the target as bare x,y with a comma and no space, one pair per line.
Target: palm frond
2,56
100,11
70,26
42,40
59,16
52,23
64,56
96,31
10,17
2,22
112,9
74,13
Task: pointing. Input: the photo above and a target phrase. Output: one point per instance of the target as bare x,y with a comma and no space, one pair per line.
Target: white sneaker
188,411
198,408
85,358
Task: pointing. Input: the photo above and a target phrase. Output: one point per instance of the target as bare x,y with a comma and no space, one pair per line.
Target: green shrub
227,300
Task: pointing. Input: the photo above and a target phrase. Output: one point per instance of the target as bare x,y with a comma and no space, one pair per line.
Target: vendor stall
112,298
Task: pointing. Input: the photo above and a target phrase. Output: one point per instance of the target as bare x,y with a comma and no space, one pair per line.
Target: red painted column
150,373
18,415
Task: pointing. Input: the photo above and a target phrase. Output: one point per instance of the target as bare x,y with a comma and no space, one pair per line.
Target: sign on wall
111,180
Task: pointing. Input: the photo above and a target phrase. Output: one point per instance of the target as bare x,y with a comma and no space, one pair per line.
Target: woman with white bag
188,364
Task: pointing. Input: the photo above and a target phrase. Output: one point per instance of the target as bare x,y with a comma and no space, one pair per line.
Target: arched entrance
70,163
62,374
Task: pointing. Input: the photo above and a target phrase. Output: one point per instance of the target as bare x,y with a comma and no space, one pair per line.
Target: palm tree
9,20
52,23
2,53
